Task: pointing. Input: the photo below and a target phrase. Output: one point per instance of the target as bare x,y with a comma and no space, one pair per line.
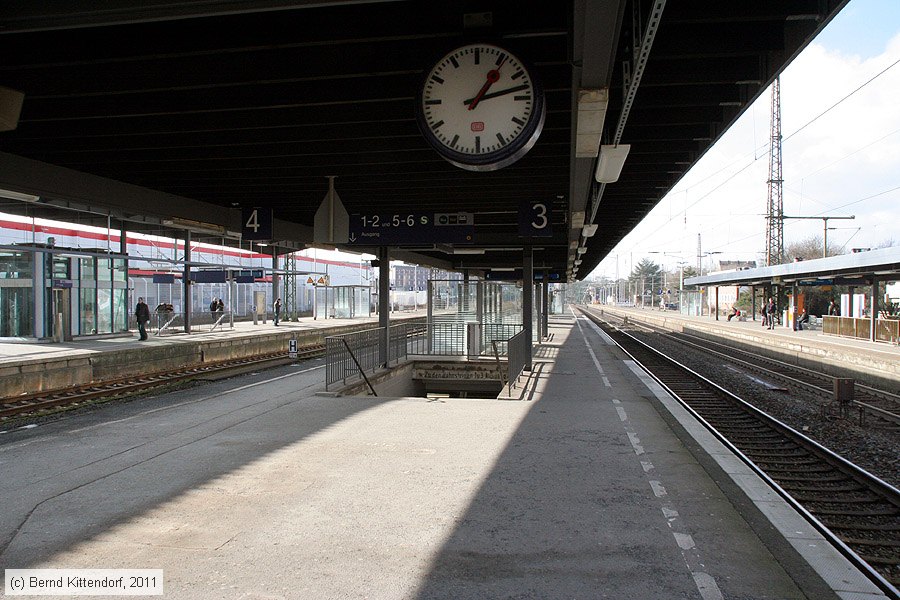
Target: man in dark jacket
142,313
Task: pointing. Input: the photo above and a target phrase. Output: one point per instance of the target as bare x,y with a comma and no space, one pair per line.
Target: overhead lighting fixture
581,250
729,104
19,196
610,163
578,219
884,272
591,115
448,249
10,108
589,230
195,226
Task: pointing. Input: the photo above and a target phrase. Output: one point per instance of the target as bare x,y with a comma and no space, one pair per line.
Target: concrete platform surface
18,351
258,488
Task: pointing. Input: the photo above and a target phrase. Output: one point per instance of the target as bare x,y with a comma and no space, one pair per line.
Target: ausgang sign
411,228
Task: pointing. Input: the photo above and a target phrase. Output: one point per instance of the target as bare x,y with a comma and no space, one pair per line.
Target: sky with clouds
840,105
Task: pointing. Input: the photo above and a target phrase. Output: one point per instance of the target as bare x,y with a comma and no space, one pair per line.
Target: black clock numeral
455,62
519,98
453,141
502,140
477,56
517,74
477,144
518,121
436,125
500,59
432,102
436,79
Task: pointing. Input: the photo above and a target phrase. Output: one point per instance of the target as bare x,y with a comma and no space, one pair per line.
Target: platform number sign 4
256,223
535,219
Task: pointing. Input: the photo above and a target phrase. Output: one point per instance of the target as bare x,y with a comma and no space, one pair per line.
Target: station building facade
63,281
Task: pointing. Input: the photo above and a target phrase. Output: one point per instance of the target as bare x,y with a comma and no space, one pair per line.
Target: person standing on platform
277,310
770,313
833,309
142,313
220,305
213,306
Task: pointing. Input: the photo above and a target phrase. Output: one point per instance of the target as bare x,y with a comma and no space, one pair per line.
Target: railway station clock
480,107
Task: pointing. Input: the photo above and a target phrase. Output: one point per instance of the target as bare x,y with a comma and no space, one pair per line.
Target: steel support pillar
545,303
752,301
528,299
873,333
384,302
717,303
276,278
186,282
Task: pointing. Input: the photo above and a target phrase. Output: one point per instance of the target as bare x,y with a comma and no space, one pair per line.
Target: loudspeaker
10,108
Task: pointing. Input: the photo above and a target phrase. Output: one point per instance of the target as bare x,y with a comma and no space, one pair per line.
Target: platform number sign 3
256,223
535,219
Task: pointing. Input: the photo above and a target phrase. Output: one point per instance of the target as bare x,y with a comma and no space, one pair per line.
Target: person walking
277,309
142,313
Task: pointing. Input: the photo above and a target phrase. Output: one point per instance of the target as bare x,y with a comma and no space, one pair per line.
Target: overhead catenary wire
761,147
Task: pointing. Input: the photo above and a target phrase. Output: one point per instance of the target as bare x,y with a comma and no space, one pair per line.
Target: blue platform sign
411,229
163,278
209,276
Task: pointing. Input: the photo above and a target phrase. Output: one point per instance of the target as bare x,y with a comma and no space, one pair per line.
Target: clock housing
480,107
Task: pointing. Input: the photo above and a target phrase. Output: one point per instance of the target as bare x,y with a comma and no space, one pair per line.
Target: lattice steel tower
775,214
290,287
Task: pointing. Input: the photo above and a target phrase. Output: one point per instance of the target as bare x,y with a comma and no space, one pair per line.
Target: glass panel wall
16,294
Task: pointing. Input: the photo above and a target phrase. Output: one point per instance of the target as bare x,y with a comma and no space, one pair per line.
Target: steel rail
816,376
850,469
35,403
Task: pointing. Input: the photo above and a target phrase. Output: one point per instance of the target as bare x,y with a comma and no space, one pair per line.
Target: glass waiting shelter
343,302
59,293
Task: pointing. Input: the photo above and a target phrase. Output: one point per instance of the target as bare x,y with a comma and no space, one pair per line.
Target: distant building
735,265
414,278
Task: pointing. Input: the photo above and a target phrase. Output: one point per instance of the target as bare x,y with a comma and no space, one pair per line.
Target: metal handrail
358,366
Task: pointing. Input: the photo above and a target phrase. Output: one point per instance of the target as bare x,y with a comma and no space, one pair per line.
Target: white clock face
481,108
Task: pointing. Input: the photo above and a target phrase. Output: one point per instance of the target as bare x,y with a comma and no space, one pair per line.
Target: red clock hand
492,76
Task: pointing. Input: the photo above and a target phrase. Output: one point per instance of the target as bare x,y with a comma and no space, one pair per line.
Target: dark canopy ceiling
207,107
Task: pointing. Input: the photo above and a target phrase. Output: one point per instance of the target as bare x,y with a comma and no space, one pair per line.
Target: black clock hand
493,76
484,97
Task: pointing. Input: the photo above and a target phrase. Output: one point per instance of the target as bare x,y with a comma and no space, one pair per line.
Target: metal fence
340,351
519,351
886,330
450,338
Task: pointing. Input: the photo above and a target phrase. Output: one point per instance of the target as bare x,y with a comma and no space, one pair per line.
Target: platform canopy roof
177,114
857,268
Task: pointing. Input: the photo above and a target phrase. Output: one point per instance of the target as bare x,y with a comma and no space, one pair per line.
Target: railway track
856,511
882,405
39,404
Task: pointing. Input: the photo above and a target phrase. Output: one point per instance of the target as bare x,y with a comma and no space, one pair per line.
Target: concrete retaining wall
87,367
